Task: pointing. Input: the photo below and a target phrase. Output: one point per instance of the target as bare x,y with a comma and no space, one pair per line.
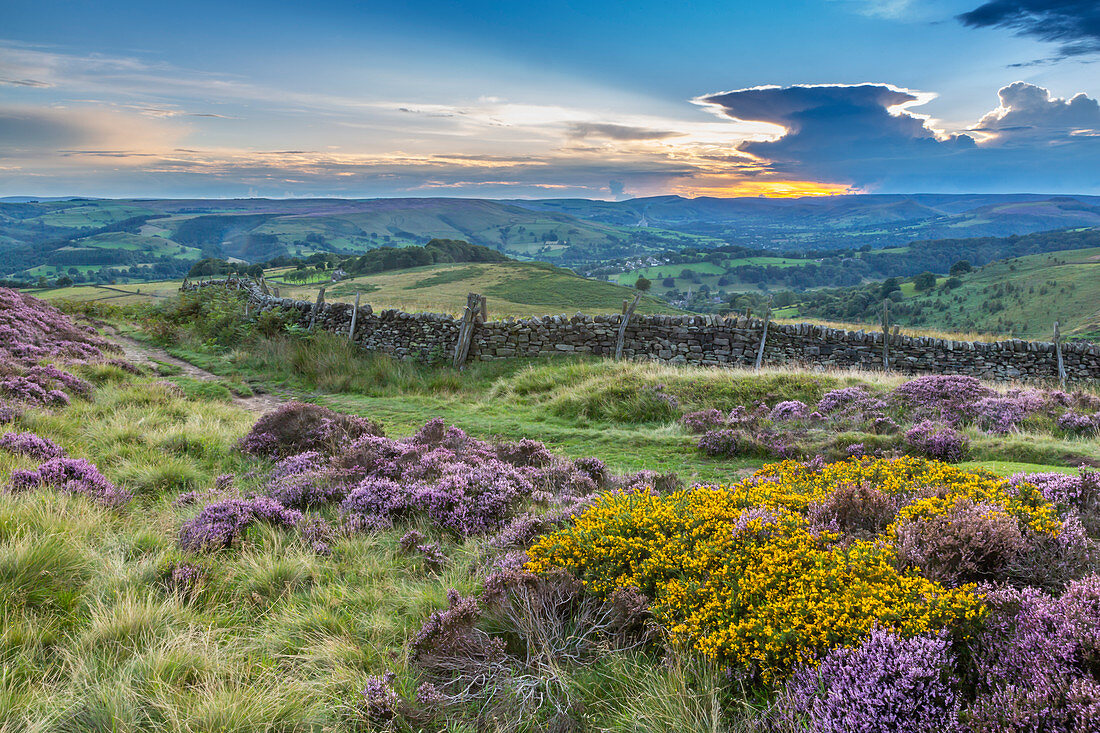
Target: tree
669,282
960,268
924,281
889,285
643,284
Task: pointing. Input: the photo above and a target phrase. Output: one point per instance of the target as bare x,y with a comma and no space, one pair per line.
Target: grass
519,289
276,638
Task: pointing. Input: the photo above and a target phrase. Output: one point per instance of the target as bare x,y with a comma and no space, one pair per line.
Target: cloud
1073,24
868,136
37,133
581,130
1028,113
34,83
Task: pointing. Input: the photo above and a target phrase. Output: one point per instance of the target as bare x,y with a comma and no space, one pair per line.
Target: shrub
936,441
844,399
750,586
221,523
298,427
887,683
968,542
31,445
1077,424
730,442
789,410
855,509
702,420
74,476
941,394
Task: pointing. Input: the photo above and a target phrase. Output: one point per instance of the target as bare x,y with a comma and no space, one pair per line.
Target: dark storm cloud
865,136
1074,24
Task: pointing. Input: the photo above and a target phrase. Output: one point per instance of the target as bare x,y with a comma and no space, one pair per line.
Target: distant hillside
1022,296
712,276
100,240
830,222
48,238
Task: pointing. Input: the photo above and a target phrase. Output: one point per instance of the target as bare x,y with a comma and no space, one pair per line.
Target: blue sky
599,100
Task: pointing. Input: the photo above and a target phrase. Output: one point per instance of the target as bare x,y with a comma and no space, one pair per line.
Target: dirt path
146,355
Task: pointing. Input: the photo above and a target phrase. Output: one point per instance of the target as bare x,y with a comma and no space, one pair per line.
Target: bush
938,442
749,586
887,683
967,543
297,427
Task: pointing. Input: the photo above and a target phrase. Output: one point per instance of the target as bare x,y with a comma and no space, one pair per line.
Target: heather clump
36,341
944,395
701,421
31,445
968,542
220,524
1034,660
887,683
73,476
299,427
937,441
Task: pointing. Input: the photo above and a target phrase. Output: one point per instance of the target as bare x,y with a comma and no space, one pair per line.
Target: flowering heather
298,427
941,394
789,410
937,441
31,332
844,399
525,453
307,462
887,683
31,445
1078,424
1081,492
1004,414
702,420
74,476
220,523
9,413
380,701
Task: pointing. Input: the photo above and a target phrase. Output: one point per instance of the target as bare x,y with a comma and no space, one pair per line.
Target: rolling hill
99,240
1022,296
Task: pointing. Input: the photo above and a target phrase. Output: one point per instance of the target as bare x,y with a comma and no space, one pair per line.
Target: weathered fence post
886,335
354,318
627,313
466,330
317,307
763,339
626,303
484,309
1058,355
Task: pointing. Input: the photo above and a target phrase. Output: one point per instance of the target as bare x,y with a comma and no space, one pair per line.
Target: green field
513,289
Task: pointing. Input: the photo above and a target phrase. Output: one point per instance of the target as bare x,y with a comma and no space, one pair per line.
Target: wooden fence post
763,339
317,307
1058,355
484,309
622,326
354,318
466,330
886,335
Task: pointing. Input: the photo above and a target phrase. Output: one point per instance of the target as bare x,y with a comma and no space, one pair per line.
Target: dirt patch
146,355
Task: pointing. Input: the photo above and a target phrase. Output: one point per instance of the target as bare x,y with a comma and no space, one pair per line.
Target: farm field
177,556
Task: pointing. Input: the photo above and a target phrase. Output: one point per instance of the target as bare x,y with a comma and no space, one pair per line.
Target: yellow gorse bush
737,572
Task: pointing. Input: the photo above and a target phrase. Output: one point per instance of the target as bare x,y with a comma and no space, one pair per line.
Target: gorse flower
740,573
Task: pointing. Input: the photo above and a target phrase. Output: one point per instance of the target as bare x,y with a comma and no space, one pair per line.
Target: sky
605,100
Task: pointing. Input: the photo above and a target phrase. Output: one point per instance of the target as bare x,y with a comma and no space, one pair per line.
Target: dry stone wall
709,340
